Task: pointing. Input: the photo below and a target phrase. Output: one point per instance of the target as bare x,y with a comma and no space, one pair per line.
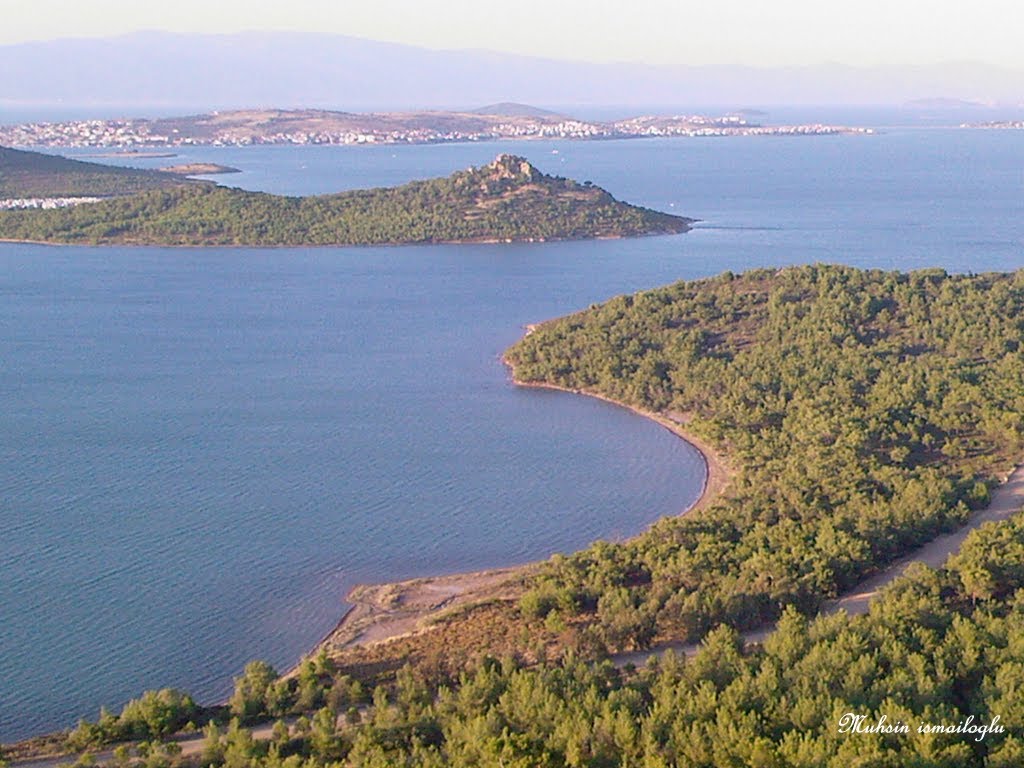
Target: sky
766,33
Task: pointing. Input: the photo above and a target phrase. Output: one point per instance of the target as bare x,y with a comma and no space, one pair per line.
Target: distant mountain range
292,69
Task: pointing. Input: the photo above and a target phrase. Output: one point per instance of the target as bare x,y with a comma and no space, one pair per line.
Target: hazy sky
755,32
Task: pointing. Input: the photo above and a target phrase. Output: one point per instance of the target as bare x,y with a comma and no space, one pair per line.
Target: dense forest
26,174
863,413
506,200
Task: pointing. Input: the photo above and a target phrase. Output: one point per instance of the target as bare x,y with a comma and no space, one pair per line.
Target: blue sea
202,450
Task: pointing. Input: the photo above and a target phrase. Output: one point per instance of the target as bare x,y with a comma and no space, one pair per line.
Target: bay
201,450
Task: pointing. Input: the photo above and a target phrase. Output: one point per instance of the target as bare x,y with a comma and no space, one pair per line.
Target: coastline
389,610
467,241
717,472
1007,498
379,613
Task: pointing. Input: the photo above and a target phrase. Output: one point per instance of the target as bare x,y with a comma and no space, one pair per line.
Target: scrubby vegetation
506,200
930,652
154,715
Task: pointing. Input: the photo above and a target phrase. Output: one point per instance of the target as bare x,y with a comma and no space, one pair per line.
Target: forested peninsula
508,200
862,412
25,174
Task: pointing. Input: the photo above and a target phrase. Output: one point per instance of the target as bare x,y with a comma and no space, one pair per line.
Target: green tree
157,713
213,746
249,699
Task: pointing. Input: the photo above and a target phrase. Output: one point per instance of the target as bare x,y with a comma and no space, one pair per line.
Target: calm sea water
202,450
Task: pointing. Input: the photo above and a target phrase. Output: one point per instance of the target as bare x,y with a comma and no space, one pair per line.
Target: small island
508,200
199,169
135,154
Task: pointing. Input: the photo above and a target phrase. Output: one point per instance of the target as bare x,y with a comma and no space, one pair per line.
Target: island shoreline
508,200
294,246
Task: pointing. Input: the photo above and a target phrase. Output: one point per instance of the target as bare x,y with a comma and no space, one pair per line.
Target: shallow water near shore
202,450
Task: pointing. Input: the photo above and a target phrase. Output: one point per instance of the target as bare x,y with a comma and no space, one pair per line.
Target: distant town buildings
1005,125
215,131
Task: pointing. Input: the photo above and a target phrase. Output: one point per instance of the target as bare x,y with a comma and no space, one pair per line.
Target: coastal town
997,125
242,128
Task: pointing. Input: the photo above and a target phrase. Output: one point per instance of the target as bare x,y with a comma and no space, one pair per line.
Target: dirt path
1006,499
191,746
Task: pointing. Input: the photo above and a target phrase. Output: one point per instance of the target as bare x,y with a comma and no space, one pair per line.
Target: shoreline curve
378,613
717,471
1007,498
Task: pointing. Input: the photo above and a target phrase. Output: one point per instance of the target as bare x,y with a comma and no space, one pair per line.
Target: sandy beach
384,612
